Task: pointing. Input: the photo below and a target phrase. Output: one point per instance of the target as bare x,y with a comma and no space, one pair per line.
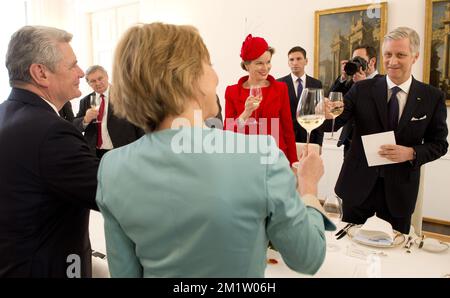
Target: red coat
274,105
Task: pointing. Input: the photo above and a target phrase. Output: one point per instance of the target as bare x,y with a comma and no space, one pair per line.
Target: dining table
347,259
353,259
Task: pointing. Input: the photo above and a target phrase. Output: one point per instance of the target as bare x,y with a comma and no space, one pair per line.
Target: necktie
99,121
299,88
393,109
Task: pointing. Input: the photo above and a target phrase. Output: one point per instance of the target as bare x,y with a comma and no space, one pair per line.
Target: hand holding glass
310,111
256,92
337,101
94,105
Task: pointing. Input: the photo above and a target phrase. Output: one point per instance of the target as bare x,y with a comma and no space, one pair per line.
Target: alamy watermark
74,266
201,141
374,9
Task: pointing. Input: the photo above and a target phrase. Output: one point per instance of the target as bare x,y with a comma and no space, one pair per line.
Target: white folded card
372,144
376,231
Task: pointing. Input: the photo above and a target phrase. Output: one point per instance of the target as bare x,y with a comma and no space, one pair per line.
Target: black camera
353,66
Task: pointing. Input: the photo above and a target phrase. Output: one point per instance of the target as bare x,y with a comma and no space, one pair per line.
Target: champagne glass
310,111
256,92
333,209
94,105
337,100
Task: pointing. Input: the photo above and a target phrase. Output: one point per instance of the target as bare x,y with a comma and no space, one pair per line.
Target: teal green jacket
199,202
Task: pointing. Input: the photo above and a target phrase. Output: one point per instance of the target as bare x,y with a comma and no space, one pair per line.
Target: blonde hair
405,32
156,70
244,63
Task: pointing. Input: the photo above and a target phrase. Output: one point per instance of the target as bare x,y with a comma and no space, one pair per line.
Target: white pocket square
418,119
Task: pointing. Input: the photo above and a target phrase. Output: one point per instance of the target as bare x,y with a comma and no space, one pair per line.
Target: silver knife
342,230
345,232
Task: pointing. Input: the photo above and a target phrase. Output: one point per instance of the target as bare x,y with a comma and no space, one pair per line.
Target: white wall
10,19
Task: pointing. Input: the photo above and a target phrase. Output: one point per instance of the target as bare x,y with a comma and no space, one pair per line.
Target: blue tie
299,88
393,109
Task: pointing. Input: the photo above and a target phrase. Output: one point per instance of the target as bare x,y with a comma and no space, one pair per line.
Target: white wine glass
256,92
94,105
333,209
310,111
337,100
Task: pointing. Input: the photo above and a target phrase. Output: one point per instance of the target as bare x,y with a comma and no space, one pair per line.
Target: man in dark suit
296,81
47,173
344,82
66,112
102,129
416,113
216,122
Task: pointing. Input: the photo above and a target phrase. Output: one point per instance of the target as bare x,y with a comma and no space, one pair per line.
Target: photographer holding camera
362,66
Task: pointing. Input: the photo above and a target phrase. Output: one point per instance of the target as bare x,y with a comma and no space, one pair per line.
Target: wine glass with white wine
333,209
256,92
337,100
310,111
94,105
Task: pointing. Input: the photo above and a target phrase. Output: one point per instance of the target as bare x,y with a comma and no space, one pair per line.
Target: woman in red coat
250,115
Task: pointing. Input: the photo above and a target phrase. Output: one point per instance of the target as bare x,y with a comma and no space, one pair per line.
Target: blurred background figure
296,81
207,214
363,65
268,110
217,121
102,129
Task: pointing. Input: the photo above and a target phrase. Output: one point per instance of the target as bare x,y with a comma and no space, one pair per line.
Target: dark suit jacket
366,103
300,133
66,112
347,130
120,131
47,186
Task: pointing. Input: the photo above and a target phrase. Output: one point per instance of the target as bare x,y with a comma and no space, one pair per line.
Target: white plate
399,238
432,245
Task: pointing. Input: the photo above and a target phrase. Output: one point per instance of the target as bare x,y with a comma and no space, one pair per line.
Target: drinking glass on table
333,209
337,100
310,111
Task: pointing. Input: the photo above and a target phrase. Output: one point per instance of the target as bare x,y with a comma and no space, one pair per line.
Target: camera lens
353,66
350,68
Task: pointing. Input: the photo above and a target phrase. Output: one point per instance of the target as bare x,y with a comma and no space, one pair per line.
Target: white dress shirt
402,95
107,143
52,105
295,80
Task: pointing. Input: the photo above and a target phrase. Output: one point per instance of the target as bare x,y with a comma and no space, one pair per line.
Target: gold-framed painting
436,65
338,31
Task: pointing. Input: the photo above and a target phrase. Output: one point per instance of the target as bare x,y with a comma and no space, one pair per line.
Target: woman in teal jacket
189,201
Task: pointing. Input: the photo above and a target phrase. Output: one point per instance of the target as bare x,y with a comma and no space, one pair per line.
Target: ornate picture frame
339,30
436,64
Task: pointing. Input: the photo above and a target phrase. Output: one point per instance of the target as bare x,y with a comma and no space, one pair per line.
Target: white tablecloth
356,260
396,262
